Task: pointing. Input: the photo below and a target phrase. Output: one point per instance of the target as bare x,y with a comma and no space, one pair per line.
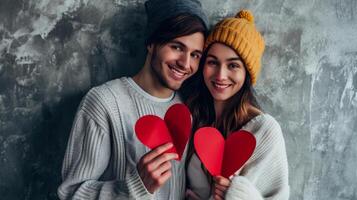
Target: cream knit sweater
102,152
264,176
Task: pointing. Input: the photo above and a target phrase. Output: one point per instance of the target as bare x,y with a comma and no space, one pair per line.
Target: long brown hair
240,109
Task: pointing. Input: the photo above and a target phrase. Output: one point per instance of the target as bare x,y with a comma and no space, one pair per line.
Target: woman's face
224,72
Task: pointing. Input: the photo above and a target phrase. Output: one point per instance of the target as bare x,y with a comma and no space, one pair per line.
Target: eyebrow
229,59
182,44
233,59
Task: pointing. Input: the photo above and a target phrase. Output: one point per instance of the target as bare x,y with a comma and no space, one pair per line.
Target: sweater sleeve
265,176
88,155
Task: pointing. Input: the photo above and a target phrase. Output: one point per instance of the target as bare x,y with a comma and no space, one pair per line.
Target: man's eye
178,48
196,56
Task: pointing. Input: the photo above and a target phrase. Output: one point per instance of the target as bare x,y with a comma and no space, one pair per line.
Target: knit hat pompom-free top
241,35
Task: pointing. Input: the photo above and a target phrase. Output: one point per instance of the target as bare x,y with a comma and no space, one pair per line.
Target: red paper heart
223,157
152,131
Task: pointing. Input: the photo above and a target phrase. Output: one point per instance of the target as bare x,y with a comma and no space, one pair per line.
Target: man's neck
148,81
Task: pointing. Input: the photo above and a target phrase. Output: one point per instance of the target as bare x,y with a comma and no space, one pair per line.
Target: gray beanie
159,10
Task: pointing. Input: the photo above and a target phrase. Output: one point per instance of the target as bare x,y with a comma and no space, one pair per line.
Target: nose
220,73
184,61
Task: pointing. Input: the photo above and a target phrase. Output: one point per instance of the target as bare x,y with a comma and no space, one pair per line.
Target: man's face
177,60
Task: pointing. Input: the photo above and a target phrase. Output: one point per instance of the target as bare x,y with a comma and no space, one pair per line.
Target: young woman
223,97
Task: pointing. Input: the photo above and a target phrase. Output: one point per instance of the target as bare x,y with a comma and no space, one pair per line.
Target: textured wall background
52,52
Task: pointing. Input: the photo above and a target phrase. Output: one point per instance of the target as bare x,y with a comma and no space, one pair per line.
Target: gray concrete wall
52,52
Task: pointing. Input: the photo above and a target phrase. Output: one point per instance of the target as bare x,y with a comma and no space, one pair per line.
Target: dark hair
241,107
174,27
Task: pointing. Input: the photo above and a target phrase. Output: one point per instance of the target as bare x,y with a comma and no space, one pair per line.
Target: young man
104,159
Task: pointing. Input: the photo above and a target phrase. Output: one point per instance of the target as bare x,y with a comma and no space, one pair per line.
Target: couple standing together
213,74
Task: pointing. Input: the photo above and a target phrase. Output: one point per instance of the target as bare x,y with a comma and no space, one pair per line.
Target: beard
156,73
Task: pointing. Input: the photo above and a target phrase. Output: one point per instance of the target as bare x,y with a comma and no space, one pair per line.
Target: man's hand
154,167
221,186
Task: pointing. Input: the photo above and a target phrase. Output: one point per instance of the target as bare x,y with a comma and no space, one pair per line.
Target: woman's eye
233,66
212,62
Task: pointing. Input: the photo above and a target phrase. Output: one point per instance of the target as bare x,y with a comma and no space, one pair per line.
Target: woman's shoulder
264,125
262,120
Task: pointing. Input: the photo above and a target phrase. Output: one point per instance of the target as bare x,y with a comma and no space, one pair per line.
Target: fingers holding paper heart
154,168
219,156
221,185
167,138
153,131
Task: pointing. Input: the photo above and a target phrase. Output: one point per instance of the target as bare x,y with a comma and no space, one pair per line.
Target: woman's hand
221,186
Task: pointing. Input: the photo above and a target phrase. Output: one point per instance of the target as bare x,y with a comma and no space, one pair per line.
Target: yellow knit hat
240,34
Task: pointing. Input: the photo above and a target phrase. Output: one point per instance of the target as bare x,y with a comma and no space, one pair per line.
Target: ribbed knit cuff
242,188
136,186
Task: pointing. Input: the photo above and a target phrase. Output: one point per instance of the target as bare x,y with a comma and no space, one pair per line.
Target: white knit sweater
102,151
264,176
